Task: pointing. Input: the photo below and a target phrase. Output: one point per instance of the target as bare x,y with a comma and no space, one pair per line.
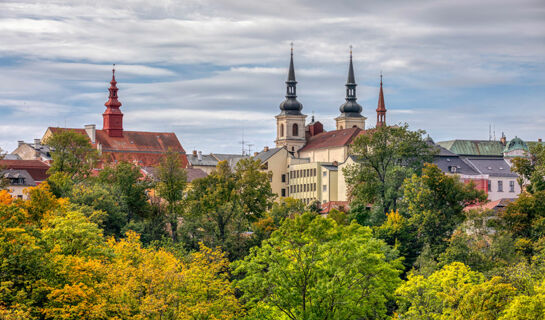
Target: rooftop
336,138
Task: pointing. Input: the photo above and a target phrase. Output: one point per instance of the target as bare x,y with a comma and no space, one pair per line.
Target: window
489,186
341,127
283,178
314,172
323,201
500,186
283,192
282,130
452,169
324,188
324,173
295,130
305,188
511,186
19,196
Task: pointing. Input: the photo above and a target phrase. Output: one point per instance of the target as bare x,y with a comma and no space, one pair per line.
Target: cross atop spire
351,78
291,73
291,105
113,117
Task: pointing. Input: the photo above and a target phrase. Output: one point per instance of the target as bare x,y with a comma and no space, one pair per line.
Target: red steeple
381,109
113,117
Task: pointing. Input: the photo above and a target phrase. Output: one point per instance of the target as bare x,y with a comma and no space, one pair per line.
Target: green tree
434,204
223,205
312,268
385,156
72,154
171,183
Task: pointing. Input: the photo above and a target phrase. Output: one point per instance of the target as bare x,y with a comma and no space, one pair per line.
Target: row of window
308,187
500,186
302,173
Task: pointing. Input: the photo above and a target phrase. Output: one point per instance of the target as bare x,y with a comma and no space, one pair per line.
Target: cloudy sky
213,70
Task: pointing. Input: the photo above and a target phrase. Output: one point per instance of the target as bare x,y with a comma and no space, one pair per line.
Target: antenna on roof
250,145
494,132
489,132
242,142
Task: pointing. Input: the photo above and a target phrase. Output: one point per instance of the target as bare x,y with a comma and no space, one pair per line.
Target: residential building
23,174
275,161
32,151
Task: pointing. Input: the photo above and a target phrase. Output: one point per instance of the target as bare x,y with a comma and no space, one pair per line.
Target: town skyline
205,73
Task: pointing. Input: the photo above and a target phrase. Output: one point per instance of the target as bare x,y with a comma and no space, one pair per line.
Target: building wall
278,166
342,191
26,152
495,194
305,182
17,191
329,185
338,154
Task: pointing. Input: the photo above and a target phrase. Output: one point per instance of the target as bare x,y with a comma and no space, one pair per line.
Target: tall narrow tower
290,123
113,117
381,108
350,110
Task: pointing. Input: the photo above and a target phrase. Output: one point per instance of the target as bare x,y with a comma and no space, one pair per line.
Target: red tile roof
143,148
337,138
36,168
339,205
491,205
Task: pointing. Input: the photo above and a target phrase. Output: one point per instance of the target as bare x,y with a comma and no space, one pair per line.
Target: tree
434,204
172,181
312,268
437,296
3,181
384,156
223,205
72,154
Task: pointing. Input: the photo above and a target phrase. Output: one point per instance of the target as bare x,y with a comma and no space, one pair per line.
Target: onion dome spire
381,108
351,108
291,106
113,117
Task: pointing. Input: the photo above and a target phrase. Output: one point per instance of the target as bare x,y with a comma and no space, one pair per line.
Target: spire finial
291,45
381,78
350,52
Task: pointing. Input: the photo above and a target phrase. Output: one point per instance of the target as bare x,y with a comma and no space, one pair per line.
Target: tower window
295,130
282,130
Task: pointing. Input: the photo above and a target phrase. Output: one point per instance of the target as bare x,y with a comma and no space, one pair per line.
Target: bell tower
290,123
113,117
381,108
350,110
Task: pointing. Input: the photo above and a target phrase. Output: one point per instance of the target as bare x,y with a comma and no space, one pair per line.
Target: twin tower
290,123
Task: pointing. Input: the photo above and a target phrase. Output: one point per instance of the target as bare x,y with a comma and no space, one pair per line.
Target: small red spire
113,117
381,108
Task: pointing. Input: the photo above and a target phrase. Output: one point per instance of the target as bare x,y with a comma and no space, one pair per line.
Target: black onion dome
291,106
351,108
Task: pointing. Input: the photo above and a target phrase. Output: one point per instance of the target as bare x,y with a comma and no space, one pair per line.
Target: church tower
290,123
113,117
381,108
350,110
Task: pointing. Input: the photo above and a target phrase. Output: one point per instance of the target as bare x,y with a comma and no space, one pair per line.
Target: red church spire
113,117
381,108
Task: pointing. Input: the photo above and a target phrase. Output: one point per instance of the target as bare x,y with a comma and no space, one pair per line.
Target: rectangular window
283,192
511,186
324,188
500,186
308,172
489,186
283,178
314,187
314,172
324,173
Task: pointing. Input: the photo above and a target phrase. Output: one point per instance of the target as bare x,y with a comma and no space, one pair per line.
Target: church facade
307,159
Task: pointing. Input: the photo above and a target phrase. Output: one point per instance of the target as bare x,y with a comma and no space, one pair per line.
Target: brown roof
337,138
339,205
194,173
144,148
491,205
36,168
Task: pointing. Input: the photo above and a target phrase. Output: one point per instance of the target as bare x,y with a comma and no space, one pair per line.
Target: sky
213,71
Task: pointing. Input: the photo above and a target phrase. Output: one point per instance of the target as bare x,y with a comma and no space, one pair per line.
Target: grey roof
330,167
11,157
265,155
445,163
44,150
492,167
231,159
17,174
207,160
192,173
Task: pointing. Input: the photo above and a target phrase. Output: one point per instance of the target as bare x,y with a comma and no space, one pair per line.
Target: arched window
282,130
295,130
341,127
354,126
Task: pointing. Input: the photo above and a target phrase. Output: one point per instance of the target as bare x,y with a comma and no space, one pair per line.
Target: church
307,161
114,143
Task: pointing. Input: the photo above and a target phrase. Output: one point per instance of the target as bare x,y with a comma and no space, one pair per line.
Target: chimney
199,156
335,163
194,153
539,140
256,153
266,149
503,139
91,131
20,143
37,143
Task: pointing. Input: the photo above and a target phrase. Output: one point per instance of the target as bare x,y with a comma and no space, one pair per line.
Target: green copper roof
516,144
473,147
